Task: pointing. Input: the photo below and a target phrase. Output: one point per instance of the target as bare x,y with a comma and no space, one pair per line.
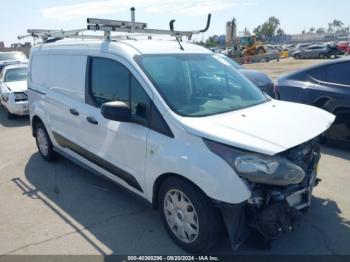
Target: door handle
73,111
92,120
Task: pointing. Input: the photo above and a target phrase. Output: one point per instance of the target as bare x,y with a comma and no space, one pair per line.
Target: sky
295,15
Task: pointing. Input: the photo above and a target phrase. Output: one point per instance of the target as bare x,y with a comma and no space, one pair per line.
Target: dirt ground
276,69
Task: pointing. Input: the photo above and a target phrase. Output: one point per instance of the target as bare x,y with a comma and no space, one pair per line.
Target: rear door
313,52
65,79
307,52
118,147
338,79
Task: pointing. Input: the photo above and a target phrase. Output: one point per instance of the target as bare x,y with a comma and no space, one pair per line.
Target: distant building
231,33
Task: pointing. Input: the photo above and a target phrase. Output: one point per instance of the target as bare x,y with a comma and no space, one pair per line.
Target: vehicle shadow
124,224
336,152
17,121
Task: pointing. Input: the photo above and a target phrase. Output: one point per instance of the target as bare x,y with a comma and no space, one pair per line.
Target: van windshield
199,84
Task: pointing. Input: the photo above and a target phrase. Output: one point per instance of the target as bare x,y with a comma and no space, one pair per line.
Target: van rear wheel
44,143
188,215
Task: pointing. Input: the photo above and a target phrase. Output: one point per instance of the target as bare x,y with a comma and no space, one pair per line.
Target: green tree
280,32
337,23
312,30
210,42
336,26
321,30
267,29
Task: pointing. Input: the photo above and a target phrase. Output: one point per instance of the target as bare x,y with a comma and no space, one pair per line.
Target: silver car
314,51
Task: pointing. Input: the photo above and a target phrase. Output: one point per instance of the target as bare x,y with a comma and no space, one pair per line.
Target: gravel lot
276,69
60,208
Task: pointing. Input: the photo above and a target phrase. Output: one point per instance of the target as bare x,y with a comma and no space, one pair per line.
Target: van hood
268,128
17,86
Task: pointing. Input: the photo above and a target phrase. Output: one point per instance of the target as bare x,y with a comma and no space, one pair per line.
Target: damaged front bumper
274,210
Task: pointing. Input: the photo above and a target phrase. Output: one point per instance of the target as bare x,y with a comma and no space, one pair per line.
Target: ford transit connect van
180,127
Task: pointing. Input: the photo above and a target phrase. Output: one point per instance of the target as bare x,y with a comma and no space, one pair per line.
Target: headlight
20,96
5,96
258,168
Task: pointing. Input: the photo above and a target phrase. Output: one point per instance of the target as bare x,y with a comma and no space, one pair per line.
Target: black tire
297,56
322,56
49,154
209,217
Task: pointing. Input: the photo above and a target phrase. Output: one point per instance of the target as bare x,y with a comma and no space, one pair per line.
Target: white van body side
57,83
240,157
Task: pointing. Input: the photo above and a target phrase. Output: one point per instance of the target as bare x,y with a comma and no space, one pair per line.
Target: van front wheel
44,143
188,215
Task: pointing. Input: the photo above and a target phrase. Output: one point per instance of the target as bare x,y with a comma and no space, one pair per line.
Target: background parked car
260,79
13,88
334,50
10,58
326,86
298,47
314,51
343,46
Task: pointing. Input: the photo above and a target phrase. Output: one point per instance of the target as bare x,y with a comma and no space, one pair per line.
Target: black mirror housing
117,111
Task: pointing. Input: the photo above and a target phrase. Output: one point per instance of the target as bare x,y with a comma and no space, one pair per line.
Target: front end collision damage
273,210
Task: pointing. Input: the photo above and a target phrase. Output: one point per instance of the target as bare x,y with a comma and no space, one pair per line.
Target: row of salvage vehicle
207,147
13,84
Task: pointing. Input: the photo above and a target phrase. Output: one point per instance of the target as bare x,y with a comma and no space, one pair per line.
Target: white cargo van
180,127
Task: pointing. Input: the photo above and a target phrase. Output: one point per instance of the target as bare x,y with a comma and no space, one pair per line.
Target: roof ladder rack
109,26
132,27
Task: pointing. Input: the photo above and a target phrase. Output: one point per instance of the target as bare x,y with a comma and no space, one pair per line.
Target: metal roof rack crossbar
109,26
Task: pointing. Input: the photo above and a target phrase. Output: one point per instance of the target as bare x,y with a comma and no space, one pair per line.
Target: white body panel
8,90
269,128
142,152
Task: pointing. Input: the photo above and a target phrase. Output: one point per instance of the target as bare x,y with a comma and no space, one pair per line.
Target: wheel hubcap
181,216
42,141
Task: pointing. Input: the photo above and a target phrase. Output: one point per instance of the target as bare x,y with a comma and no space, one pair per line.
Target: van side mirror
117,111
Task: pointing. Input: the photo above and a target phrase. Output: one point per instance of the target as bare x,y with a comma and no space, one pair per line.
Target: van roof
134,46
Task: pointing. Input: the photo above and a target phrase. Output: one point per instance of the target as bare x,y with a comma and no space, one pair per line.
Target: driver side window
109,81
112,81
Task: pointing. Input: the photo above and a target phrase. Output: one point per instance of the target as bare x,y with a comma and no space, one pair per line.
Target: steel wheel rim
42,141
181,216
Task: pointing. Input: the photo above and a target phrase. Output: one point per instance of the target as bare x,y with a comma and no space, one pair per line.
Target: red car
343,46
